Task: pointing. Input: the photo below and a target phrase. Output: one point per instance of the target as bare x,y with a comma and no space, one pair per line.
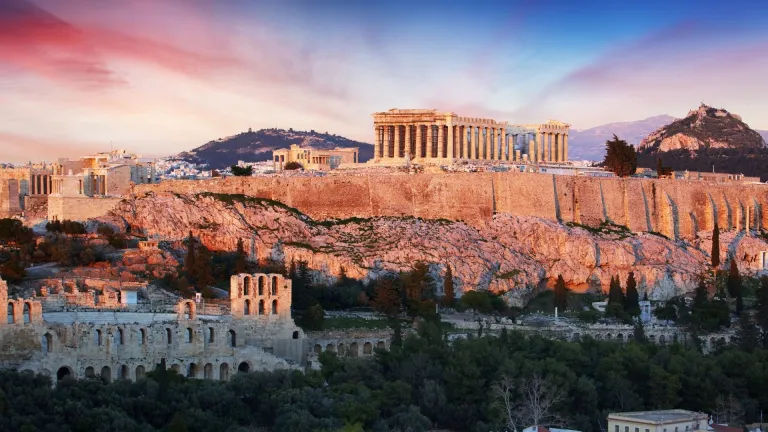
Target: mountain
256,146
704,128
707,139
589,144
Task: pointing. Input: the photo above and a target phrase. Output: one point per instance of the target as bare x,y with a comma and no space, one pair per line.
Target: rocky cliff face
509,253
703,128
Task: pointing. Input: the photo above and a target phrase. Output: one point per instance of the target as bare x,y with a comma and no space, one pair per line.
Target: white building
676,420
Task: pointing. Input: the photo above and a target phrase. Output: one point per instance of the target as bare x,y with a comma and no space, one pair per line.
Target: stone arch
318,349
274,307
11,314
620,337
192,370
381,345
122,372
168,336
211,335
64,372
662,340
142,337
190,335
45,372
247,286
330,348
208,371
188,310
90,372
354,351
341,350
274,285
141,373
26,313
244,367
295,334
232,338
261,307
598,336
47,343
367,348
576,336
98,337
106,373
247,307
608,336
261,285
652,338
224,372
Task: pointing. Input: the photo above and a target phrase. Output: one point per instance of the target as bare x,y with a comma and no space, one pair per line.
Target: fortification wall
674,208
79,208
9,198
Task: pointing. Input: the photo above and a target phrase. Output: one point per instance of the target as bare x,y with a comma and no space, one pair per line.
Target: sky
162,76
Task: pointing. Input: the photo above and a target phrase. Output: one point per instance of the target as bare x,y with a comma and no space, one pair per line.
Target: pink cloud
17,148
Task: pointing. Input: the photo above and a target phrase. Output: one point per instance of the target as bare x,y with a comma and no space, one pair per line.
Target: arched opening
208,371
318,349
141,373
210,334
608,336
662,340
190,335
224,372
367,348
261,307
10,313
187,310
274,307
142,337
620,337
274,285
330,348
192,371
122,372
261,285
342,350
168,336
89,372
576,336
25,313
353,350
176,368
247,307
120,339
652,338
47,343
64,372
381,345
97,337
244,367
232,338
247,285
296,334
106,373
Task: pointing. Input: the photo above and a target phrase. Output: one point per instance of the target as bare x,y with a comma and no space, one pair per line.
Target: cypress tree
701,296
449,295
240,260
561,294
615,294
632,304
189,260
734,282
715,247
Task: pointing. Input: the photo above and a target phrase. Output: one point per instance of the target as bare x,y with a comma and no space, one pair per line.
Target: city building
430,136
675,420
311,158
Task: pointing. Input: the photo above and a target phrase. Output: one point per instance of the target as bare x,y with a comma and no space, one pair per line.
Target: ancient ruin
311,158
428,136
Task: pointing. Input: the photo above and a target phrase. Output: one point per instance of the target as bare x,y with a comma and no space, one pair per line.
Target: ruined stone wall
675,208
36,207
10,205
79,208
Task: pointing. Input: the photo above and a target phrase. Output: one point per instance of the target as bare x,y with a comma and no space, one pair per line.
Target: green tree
189,259
478,301
715,254
561,294
620,157
241,263
290,166
701,296
639,332
313,318
661,170
747,336
449,295
615,294
632,303
203,272
242,172
734,285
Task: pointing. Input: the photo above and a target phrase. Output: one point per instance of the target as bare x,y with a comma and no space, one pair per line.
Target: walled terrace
674,208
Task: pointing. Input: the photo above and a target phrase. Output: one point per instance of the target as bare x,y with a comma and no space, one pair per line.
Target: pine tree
632,304
449,295
734,285
701,296
202,271
189,260
561,294
639,332
241,265
715,248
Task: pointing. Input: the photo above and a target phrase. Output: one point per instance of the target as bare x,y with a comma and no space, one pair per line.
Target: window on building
637,429
616,428
626,428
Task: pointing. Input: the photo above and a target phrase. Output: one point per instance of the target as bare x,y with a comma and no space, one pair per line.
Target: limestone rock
509,253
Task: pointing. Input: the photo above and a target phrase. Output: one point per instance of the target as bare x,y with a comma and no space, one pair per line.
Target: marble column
502,144
419,143
376,142
408,141
440,141
430,140
539,146
398,141
547,145
471,142
565,148
451,144
531,146
560,154
487,143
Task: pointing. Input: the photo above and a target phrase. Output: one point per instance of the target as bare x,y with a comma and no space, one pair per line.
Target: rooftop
659,417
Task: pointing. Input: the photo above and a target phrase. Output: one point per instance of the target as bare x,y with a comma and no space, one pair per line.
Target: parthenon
429,136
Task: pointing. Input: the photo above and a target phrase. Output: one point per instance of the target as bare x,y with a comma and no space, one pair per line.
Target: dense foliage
425,383
620,157
239,171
